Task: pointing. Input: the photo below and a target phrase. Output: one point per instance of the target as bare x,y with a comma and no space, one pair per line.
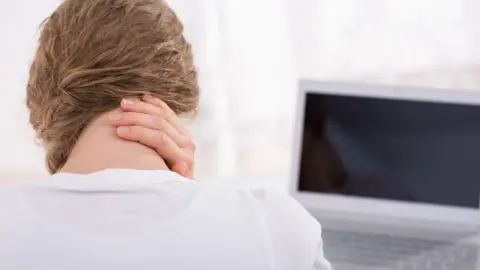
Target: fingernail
114,116
127,102
148,96
184,169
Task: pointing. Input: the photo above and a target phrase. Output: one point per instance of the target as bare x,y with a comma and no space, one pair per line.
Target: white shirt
142,220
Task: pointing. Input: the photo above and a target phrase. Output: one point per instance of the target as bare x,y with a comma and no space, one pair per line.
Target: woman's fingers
182,169
177,158
170,115
128,105
155,107
150,122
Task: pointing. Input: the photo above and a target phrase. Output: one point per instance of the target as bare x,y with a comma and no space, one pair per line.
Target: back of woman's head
93,53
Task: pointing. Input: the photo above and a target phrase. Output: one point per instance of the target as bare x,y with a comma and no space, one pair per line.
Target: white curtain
251,53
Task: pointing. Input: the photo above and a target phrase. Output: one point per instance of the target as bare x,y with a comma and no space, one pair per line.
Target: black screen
391,149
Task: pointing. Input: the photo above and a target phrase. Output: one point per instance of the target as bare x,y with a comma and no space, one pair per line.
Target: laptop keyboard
361,251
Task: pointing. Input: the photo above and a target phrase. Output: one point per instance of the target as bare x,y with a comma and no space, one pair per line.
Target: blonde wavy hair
93,53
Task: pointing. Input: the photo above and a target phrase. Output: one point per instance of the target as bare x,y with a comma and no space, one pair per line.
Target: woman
112,201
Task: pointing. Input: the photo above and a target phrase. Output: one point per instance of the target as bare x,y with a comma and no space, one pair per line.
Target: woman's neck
99,148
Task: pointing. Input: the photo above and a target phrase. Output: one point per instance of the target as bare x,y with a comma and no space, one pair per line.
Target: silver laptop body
392,173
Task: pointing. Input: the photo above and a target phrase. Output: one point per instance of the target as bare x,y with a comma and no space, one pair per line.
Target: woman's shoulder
272,202
279,210
295,235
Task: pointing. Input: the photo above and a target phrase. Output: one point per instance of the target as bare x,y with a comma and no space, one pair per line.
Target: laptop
392,174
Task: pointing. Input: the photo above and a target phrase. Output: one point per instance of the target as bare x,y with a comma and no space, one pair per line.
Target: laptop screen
402,150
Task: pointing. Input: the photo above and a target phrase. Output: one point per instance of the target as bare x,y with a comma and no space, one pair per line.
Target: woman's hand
152,123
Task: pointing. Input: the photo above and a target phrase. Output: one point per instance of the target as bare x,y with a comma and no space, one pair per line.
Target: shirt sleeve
296,235
321,263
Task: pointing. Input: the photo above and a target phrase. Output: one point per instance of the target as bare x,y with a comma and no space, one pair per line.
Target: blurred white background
250,54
